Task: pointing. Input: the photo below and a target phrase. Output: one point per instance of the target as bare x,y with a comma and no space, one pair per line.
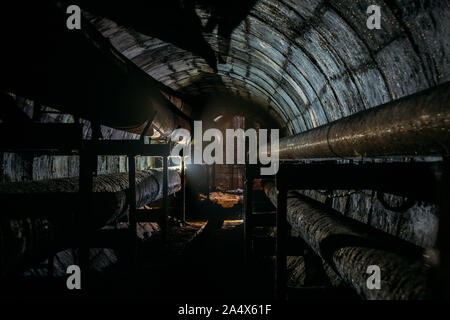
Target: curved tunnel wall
313,61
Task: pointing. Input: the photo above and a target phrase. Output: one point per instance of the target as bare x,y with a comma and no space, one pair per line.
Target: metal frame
417,180
131,149
66,139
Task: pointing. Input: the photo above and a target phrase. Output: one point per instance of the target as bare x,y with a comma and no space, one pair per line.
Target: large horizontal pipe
350,247
80,72
39,214
415,125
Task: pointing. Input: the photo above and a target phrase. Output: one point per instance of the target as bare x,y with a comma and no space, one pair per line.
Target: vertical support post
329,200
248,208
165,207
208,181
37,112
183,191
87,161
213,176
95,135
443,238
50,268
27,165
27,158
281,236
132,208
2,167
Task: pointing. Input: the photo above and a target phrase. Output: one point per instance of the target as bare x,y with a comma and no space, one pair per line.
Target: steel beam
51,138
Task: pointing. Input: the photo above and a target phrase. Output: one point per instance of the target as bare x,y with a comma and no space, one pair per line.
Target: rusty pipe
26,235
415,125
350,247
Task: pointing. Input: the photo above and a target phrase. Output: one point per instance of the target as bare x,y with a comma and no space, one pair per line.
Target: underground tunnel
250,150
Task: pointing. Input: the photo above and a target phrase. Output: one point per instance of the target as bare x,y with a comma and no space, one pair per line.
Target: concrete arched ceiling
312,61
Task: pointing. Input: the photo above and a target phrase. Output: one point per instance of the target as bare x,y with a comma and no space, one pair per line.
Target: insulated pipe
80,72
25,234
350,247
415,125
